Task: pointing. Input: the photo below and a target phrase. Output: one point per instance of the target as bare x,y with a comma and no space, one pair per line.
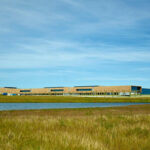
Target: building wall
113,89
58,90
80,90
35,91
9,90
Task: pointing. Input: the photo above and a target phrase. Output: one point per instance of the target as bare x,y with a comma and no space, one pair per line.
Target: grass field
53,99
116,128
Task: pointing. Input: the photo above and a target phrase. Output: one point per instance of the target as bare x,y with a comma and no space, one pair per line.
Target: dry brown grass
117,128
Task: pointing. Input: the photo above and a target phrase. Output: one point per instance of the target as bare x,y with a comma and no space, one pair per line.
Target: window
84,90
116,93
25,90
135,88
57,90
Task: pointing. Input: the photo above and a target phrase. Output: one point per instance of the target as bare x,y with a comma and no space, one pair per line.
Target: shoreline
56,106
131,109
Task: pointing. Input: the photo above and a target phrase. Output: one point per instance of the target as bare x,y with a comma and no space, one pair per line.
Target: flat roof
53,87
11,87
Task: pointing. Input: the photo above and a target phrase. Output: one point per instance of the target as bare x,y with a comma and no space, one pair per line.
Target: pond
28,106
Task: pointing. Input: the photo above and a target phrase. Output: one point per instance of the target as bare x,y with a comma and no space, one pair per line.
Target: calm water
24,106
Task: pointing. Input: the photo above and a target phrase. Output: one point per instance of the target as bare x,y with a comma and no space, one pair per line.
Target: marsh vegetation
119,128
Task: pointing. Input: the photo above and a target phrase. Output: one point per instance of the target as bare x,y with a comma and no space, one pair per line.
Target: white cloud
45,54
59,25
83,16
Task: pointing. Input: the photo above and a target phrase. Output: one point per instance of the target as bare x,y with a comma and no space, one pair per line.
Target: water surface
27,106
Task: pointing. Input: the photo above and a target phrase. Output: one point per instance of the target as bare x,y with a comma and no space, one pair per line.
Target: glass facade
135,88
146,91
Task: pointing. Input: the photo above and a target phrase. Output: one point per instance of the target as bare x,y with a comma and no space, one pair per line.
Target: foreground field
65,99
120,128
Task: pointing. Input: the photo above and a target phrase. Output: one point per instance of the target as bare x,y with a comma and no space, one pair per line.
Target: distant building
77,90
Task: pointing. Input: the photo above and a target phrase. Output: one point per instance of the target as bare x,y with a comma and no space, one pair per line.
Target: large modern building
77,90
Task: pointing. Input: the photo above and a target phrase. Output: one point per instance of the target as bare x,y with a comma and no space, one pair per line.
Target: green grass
117,128
52,99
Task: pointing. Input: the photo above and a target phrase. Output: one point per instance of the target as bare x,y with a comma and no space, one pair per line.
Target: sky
47,43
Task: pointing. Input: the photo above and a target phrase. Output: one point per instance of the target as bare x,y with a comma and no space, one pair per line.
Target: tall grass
76,132
53,99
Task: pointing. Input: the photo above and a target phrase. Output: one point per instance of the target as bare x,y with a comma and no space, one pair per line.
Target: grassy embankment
52,99
117,128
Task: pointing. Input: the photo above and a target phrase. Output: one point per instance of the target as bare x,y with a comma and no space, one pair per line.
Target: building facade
77,90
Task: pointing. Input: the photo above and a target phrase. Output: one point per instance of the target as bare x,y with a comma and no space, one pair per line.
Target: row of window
84,89
97,94
122,94
57,90
25,90
61,90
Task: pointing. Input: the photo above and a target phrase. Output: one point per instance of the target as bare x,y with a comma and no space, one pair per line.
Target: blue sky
69,42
